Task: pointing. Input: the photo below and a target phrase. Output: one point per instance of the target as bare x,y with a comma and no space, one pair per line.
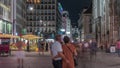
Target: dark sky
74,7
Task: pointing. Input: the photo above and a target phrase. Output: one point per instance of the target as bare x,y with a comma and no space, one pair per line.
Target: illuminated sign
60,8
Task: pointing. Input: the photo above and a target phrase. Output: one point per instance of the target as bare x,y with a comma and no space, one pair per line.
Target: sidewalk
102,60
109,59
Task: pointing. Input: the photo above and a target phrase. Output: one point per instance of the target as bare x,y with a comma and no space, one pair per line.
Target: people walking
68,50
57,53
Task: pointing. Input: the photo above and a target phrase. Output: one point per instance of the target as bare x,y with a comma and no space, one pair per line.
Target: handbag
74,58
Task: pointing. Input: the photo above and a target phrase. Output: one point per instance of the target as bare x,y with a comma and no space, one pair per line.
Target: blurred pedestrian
79,50
28,46
39,46
93,48
118,47
85,46
46,46
69,51
42,47
20,54
57,53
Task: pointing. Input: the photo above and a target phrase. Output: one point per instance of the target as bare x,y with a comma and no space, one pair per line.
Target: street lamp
31,8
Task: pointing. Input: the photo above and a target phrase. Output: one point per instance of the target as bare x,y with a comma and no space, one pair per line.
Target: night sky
74,7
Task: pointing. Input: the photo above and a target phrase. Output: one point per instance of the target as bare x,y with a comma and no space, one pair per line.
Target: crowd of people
63,52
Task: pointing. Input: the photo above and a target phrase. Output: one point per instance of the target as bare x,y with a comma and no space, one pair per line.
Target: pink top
118,45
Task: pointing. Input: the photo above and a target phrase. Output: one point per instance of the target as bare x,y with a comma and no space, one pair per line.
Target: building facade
18,16
75,34
117,5
106,21
5,16
85,25
101,21
43,17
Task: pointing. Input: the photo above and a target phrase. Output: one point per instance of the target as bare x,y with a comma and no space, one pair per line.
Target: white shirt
55,48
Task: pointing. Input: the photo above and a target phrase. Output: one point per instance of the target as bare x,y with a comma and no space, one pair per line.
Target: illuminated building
66,24
18,16
5,16
106,21
43,17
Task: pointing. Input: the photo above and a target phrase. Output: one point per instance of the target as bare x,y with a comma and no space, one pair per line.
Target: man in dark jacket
93,47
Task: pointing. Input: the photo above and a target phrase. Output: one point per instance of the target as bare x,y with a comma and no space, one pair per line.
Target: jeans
57,63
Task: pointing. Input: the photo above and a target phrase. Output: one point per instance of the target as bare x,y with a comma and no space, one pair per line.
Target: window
45,6
45,18
34,24
41,17
30,29
41,12
49,2
53,1
49,17
53,12
41,6
45,12
30,23
49,7
38,7
53,18
49,12
53,6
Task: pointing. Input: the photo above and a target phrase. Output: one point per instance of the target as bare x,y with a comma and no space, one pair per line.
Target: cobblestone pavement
101,60
34,60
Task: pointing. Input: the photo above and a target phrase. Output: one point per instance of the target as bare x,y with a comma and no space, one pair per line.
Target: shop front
5,28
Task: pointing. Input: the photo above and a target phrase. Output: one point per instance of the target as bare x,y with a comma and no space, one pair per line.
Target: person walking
68,50
39,46
118,47
57,53
20,54
93,48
